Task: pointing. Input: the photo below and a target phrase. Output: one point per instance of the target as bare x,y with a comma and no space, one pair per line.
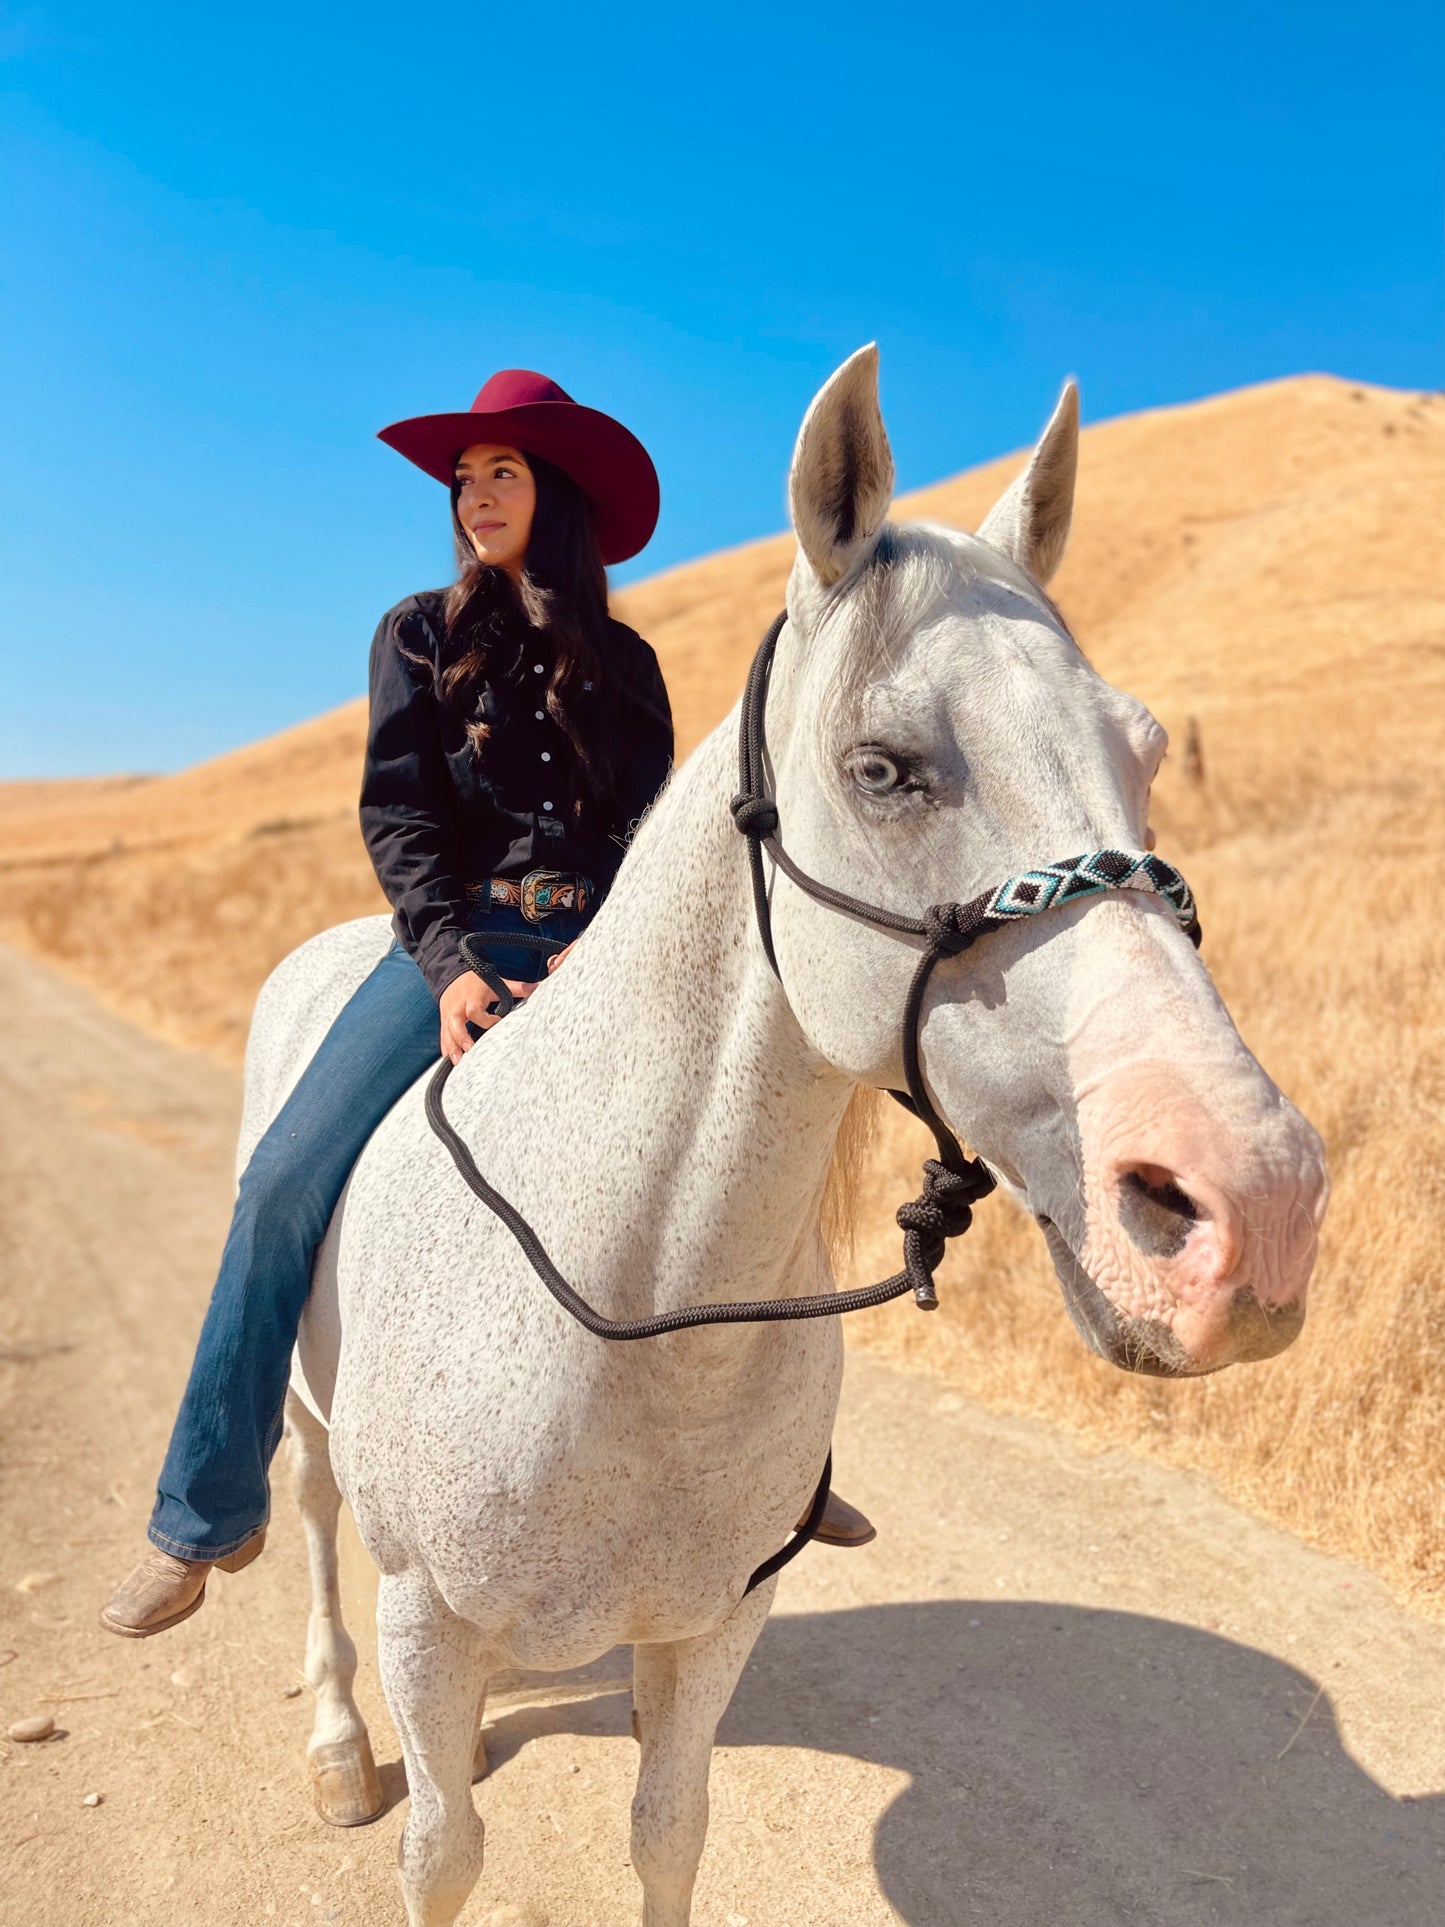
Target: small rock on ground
40,1727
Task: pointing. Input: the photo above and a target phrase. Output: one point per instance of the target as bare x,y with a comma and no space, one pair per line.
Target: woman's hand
468,1000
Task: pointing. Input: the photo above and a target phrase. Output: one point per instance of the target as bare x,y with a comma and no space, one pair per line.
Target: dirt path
1058,1691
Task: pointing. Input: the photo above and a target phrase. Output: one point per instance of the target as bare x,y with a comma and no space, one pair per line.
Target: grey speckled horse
665,1111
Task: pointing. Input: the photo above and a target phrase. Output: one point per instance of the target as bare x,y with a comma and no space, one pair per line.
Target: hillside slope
1221,552
1266,563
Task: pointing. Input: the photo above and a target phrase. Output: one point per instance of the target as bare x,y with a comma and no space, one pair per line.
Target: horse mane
842,1190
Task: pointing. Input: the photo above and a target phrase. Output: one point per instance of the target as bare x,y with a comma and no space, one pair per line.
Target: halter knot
951,927
755,815
944,1210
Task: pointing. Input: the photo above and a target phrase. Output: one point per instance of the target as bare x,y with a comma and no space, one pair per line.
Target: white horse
664,1111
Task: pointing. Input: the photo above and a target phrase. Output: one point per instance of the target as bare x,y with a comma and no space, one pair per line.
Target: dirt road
1057,1692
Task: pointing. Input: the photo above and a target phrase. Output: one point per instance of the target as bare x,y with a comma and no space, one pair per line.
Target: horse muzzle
1250,1329
1185,1234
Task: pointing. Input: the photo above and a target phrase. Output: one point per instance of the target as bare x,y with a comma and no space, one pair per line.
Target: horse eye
875,771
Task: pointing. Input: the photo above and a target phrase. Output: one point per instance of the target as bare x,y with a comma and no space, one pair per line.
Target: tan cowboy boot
164,1590
842,1524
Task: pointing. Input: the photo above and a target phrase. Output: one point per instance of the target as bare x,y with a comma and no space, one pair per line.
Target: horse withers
664,1112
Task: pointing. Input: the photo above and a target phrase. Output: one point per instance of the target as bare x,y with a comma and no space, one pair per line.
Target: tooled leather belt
538,895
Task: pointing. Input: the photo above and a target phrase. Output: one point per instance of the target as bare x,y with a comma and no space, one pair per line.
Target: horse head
933,730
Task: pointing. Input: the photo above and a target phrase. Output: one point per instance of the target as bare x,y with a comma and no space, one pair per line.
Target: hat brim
605,460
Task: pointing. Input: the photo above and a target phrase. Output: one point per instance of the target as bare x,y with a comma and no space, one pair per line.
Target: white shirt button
536,668
547,807
546,755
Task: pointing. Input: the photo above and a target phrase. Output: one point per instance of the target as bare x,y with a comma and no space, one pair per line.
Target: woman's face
497,493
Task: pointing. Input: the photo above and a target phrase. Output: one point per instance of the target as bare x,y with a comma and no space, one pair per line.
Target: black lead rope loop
766,1311
953,1182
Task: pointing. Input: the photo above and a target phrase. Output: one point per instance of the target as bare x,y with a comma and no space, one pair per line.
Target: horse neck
704,1076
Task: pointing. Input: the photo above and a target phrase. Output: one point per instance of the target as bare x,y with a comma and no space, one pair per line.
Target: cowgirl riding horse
517,733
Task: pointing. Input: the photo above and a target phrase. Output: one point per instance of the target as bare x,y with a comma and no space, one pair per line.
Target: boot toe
844,1525
161,1592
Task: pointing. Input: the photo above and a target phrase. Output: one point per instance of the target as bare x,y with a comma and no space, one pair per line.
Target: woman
517,732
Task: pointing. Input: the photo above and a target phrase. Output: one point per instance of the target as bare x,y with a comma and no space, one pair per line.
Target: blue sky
233,246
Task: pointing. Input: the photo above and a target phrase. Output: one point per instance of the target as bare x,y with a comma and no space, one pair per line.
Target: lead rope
952,1182
765,1311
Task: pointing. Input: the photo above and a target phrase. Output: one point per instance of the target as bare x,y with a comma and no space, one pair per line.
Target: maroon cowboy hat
605,460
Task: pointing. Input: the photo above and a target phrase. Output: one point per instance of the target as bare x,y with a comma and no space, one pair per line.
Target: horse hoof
344,1782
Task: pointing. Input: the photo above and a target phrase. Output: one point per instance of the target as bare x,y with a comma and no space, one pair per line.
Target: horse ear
1030,521
841,481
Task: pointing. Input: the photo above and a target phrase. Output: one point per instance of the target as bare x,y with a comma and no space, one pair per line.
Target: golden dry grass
1267,562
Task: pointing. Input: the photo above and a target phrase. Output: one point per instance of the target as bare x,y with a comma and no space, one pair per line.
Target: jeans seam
179,1549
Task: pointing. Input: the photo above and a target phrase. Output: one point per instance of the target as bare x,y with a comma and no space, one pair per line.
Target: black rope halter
952,1182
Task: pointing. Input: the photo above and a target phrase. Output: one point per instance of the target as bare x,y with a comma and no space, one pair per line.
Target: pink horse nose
1202,1196
1193,1231
1163,1213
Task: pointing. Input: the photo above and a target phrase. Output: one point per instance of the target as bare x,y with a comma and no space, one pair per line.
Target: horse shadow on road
1073,1768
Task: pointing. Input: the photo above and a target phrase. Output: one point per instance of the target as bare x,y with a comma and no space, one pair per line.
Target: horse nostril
1157,1215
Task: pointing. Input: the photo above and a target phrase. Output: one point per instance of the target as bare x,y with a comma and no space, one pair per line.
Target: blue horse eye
875,771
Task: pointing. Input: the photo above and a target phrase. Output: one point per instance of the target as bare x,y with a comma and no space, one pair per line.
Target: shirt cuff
441,961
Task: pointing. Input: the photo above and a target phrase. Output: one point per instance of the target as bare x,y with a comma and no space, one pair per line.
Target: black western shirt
437,815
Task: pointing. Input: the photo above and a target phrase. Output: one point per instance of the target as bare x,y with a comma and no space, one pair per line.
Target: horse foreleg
680,1692
432,1666
479,1750
344,1781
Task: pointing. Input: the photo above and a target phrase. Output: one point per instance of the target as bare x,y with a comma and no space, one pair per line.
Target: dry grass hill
1267,563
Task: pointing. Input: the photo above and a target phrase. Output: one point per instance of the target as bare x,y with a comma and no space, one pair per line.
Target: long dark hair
563,593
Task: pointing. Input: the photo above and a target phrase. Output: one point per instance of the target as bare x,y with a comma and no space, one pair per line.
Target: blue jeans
213,1493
